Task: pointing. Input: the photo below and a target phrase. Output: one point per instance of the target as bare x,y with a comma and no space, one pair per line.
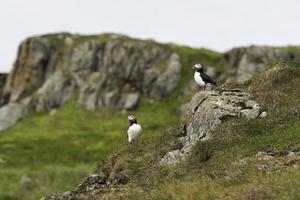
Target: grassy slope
209,174
58,151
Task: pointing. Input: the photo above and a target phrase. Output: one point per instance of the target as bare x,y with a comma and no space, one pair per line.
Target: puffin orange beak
193,68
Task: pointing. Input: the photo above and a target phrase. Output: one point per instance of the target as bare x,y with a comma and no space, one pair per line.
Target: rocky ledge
206,111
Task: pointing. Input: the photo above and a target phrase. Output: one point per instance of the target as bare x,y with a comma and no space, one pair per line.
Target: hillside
243,159
65,104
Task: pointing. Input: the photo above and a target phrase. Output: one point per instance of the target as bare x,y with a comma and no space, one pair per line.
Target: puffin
201,78
134,130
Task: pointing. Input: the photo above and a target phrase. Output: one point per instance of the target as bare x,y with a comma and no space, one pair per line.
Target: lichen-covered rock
205,112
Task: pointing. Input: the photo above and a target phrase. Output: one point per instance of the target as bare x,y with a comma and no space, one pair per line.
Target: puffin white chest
134,131
198,79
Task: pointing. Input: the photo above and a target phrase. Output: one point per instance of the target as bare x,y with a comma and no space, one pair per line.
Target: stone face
29,69
55,92
168,79
243,63
205,112
109,73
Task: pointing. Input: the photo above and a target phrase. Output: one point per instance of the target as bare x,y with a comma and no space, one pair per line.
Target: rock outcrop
117,73
244,62
103,71
205,112
29,71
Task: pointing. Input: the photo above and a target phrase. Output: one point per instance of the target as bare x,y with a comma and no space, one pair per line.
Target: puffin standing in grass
134,130
201,78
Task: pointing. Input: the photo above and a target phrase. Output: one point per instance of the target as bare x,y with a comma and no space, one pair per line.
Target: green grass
58,151
216,178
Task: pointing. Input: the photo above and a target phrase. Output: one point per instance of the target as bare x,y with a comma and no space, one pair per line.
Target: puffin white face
197,66
131,119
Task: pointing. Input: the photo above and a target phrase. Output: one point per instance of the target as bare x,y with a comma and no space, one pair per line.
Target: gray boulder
11,114
205,112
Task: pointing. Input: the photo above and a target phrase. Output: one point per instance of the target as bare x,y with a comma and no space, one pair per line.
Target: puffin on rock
134,130
201,78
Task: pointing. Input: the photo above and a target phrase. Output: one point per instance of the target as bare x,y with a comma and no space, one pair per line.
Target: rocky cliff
101,71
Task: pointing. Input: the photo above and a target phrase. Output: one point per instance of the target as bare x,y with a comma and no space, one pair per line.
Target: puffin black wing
207,79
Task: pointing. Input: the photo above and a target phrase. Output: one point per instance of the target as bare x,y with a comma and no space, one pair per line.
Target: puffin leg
204,88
